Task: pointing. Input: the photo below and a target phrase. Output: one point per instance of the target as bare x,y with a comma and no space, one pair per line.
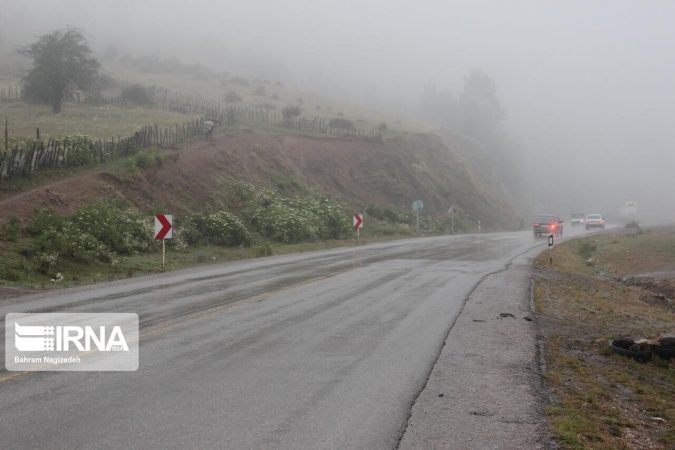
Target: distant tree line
476,113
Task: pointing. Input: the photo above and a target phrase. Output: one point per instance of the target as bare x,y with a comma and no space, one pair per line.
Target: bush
586,248
81,150
139,95
292,220
44,220
10,230
232,97
263,249
634,226
290,113
96,233
341,123
45,261
219,228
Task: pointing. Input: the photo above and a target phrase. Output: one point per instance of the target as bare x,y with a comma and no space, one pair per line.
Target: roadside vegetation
110,239
598,289
45,248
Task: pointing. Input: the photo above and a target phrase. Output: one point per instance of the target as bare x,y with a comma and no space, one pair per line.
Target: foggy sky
587,86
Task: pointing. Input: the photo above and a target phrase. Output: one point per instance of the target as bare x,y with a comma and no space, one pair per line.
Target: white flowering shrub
224,228
98,232
219,228
294,220
45,261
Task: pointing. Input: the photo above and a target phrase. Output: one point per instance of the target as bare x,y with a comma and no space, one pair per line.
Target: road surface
326,349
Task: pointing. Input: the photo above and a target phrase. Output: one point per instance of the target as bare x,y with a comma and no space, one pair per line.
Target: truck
629,210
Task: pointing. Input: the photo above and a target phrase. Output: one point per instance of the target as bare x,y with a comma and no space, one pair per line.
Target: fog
586,87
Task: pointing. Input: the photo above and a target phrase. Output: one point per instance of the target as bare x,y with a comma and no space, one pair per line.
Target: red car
547,224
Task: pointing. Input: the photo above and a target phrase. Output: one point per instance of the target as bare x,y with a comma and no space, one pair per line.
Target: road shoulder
485,388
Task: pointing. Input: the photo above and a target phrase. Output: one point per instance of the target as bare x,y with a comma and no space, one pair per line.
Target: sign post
357,223
451,213
417,207
163,230
550,244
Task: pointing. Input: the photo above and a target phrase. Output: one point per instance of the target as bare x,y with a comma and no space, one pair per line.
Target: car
577,218
594,221
546,224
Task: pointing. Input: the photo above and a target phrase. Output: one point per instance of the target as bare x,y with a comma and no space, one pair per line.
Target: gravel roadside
485,389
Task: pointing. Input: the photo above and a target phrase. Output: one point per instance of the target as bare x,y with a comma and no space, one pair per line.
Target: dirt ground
393,172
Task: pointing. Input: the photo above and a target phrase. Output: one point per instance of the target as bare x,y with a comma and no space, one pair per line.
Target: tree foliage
440,106
62,64
290,113
480,108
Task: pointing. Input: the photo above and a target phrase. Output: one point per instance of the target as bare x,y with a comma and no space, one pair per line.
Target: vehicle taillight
553,226
535,225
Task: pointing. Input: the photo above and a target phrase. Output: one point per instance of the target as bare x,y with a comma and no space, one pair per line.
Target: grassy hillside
274,187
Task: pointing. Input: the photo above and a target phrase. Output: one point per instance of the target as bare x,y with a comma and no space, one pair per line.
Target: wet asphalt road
318,350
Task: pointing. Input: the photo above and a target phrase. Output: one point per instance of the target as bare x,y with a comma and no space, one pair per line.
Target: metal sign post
451,213
357,223
417,207
163,231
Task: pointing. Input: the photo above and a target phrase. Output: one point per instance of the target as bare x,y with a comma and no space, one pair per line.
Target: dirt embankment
393,172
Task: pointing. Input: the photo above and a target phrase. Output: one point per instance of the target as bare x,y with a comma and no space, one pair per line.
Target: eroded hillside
390,173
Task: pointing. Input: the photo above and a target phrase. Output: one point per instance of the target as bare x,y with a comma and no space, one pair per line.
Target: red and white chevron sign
357,221
163,226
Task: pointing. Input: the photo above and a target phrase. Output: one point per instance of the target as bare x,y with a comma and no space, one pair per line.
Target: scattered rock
528,318
658,419
484,412
502,315
441,395
478,320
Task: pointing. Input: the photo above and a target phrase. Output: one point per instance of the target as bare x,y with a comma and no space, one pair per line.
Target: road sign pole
417,222
163,253
550,246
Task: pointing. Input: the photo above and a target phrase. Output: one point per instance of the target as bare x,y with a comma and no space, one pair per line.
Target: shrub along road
316,350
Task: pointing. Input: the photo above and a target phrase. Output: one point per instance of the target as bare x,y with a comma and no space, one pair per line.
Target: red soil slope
393,172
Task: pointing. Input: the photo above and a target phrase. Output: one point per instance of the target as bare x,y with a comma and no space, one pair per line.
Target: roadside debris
502,315
642,349
482,412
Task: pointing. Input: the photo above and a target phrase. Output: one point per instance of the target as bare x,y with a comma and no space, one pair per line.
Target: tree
440,106
62,64
290,113
480,109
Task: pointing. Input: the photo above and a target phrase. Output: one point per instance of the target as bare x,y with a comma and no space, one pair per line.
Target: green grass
604,400
101,122
17,271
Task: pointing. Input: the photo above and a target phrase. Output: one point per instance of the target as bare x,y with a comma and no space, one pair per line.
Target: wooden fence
36,154
11,93
230,113
32,155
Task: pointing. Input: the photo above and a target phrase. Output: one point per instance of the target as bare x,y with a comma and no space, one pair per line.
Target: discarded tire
627,347
666,347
